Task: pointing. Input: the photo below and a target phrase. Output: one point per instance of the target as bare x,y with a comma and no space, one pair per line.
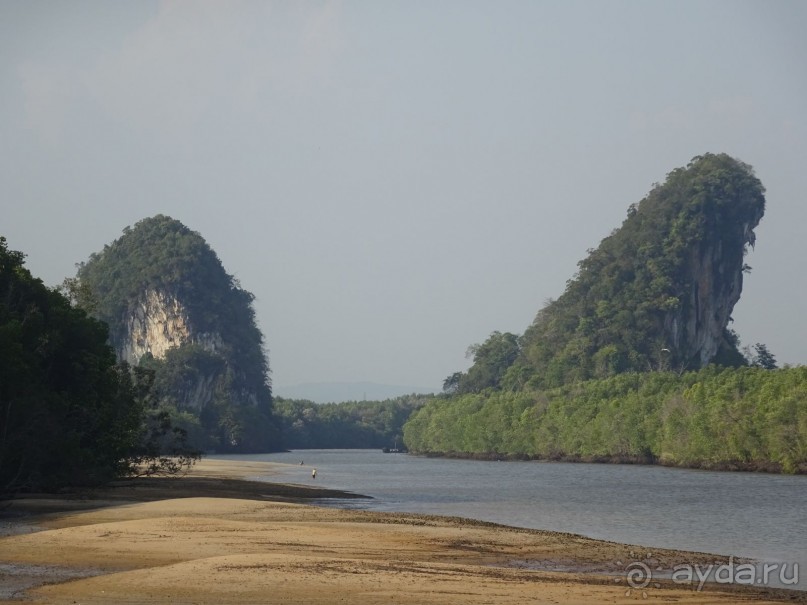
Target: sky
394,180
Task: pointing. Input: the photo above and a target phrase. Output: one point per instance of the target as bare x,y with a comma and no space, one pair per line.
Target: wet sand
216,537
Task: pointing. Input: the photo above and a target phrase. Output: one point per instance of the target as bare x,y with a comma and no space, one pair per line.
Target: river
754,515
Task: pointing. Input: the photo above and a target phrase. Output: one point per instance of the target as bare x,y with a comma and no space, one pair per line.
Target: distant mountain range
327,392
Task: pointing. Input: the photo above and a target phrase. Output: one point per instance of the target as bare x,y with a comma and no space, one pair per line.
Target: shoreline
767,467
215,536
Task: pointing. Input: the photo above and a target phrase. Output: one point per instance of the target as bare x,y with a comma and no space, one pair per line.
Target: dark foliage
761,357
163,447
67,414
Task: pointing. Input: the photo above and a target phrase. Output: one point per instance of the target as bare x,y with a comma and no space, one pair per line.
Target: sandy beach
214,536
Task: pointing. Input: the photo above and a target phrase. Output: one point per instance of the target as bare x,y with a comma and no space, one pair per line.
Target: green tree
452,383
67,414
492,359
762,357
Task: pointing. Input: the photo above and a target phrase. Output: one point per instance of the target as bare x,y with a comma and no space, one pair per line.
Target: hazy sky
395,180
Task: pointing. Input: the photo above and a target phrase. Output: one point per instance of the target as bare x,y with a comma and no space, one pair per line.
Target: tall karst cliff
657,293
172,307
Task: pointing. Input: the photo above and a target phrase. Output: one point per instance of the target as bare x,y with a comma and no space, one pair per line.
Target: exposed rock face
715,269
696,331
157,322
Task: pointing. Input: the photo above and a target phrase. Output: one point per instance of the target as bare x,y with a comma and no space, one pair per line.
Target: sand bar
215,537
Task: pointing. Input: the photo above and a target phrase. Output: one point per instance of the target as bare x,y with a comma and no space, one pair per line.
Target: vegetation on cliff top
163,255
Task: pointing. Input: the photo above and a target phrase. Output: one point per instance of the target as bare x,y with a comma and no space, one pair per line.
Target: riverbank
684,420
702,465
241,541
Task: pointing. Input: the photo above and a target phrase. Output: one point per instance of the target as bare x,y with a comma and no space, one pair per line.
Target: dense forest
723,418
351,424
69,414
173,309
635,360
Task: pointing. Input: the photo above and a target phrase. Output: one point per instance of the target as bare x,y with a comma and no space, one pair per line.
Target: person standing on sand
314,473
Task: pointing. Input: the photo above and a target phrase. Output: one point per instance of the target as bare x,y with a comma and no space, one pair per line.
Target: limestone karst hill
657,293
172,307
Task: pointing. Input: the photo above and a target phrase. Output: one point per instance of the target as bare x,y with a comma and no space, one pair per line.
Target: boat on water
394,450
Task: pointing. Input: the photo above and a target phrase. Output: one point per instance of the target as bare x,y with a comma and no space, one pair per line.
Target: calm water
745,514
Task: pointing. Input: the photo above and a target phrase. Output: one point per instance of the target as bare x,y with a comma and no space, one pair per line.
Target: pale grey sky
395,180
